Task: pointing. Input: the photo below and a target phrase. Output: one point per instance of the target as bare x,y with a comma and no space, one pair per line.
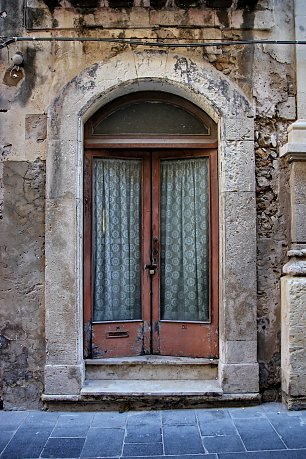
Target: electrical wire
6,41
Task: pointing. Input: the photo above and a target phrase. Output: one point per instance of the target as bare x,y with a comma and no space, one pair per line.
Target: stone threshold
151,367
147,388
152,360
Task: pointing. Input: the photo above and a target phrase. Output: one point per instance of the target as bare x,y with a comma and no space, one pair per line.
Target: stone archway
224,103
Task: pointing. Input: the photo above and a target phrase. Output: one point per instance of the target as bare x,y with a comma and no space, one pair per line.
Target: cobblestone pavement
265,431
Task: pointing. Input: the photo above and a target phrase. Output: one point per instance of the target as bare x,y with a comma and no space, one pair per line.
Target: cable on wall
6,41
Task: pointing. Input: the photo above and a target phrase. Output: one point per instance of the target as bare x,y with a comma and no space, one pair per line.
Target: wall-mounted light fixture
17,59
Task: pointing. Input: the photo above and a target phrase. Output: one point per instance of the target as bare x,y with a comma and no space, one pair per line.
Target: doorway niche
218,99
151,269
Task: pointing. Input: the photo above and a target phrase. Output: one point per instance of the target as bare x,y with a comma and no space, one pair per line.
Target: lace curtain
184,240
184,269
116,239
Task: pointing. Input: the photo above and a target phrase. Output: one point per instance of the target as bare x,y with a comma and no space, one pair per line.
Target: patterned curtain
184,240
116,239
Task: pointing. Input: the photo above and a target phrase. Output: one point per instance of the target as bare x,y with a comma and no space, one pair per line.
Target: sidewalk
267,431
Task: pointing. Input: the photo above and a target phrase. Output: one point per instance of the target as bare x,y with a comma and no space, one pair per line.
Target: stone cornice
297,253
295,267
293,152
295,149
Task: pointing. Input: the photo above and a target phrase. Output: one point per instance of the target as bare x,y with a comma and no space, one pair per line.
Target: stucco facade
253,91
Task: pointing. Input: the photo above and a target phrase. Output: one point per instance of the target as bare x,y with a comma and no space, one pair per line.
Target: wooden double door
150,253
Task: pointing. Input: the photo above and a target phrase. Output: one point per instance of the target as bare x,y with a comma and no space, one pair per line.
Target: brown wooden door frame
150,335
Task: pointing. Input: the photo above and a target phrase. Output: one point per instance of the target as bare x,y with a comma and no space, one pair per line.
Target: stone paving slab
266,431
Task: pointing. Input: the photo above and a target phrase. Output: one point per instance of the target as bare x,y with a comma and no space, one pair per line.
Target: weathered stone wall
22,345
273,222
264,72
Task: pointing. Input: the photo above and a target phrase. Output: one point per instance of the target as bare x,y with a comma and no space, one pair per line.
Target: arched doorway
150,229
215,94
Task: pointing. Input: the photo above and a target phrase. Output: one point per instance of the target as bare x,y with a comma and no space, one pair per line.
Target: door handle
155,250
151,268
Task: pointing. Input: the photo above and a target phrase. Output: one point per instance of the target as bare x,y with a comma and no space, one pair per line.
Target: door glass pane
184,240
150,117
116,239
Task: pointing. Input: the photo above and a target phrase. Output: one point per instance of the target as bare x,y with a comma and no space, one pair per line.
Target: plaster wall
264,74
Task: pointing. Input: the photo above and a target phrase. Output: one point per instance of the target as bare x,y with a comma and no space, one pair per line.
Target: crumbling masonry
254,91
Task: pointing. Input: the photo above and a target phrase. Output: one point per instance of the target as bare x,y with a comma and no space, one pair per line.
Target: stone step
151,367
145,388
124,395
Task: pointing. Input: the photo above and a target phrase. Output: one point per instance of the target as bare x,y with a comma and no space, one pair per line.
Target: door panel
187,339
150,224
117,221
116,239
186,208
184,236
117,339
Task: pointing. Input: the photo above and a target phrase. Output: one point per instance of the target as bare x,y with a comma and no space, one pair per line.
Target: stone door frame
223,101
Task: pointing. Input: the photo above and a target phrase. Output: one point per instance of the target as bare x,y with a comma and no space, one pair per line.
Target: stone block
241,19
22,343
38,149
298,224
238,129
36,127
38,18
298,183
64,128
285,334
238,171
63,272
202,17
62,169
294,403
287,109
139,17
298,201
144,67
166,17
63,379
12,137
33,3
293,297
301,104
236,19
297,386
297,132
113,18
239,352
299,7
238,255
239,378
65,18
264,20
300,19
